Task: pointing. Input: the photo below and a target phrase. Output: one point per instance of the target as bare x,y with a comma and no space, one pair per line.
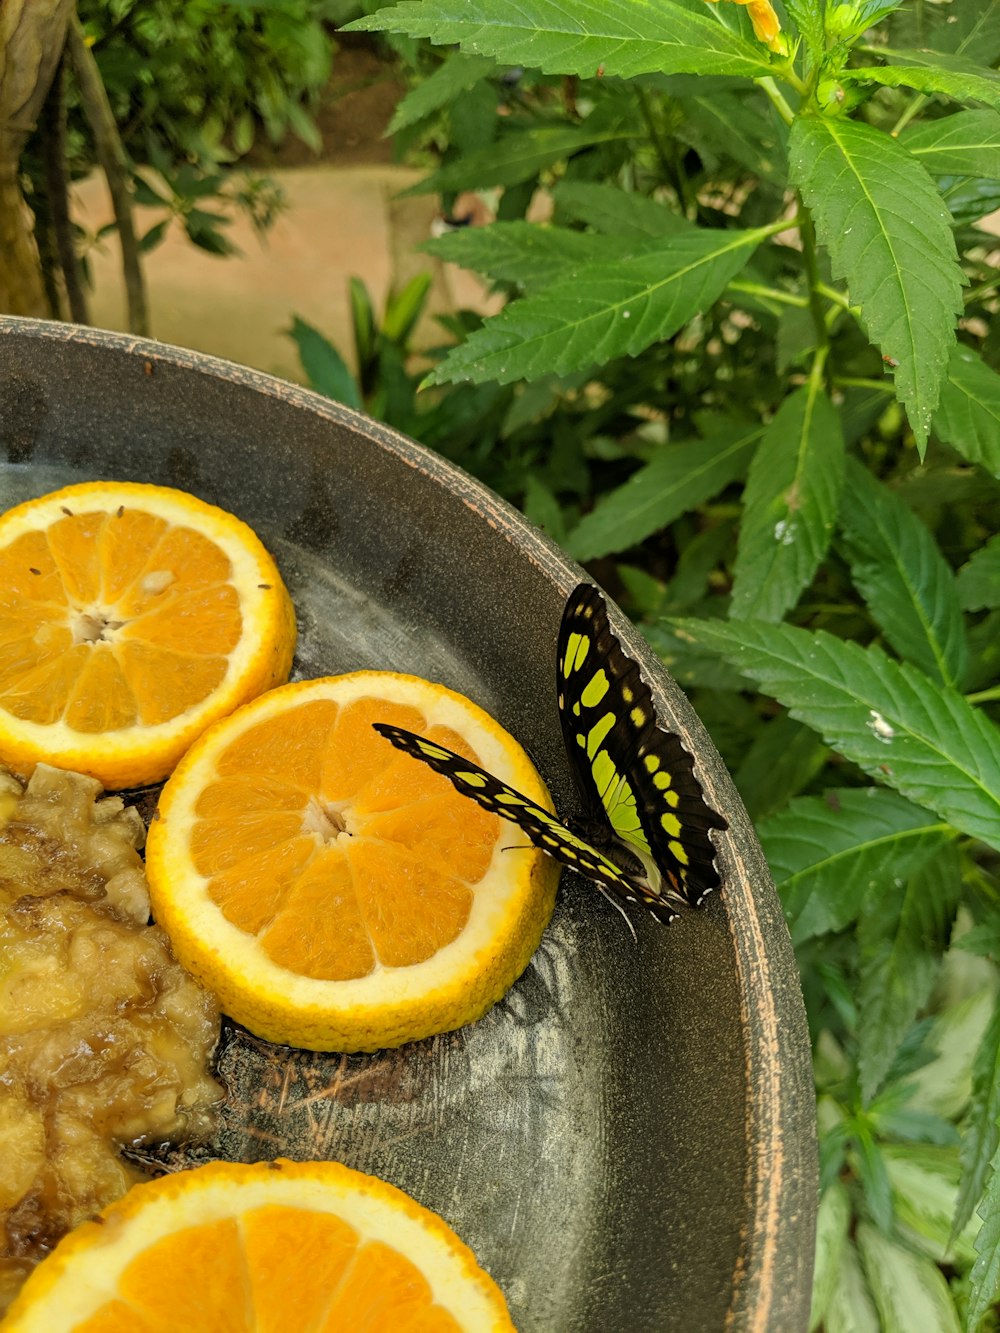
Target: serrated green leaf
522,152
930,72
604,310
807,15
902,935
910,1291
828,852
985,1276
678,478
687,665
943,1086
968,416
898,569
888,717
924,1180
622,37
832,1223
790,504
522,252
783,757
455,76
979,579
886,228
869,1166
732,127
981,1132
964,144
608,209
325,368
851,1308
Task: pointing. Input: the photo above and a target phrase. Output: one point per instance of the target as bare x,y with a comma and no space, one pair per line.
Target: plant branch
56,186
768,293
776,98
111,154
984,696
808,233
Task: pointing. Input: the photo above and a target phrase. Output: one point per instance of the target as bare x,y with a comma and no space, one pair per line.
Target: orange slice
335,893
131,617
312,1247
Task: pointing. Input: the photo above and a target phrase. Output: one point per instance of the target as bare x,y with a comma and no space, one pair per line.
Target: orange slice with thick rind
313,1247
337,894
131,617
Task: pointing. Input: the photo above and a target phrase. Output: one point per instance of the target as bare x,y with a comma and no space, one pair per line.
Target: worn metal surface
626,1141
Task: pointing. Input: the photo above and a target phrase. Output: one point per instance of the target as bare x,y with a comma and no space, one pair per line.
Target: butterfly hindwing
539,825
629,770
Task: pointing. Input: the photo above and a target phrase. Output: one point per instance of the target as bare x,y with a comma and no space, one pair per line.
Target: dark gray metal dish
626,1141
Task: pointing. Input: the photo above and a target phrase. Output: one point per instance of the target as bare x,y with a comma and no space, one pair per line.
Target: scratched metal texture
626,1141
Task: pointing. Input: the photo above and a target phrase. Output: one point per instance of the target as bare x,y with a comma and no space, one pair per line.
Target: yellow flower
766,25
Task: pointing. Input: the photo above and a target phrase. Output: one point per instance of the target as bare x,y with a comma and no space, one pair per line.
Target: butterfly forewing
541,827
629,770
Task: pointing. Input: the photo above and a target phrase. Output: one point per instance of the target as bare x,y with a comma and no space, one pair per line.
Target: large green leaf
325,368
604,310
832,1224
888,717
931,72
828,852
618,37
910,1290
902,935
608,209
521,153
458,74
981,1136
807,15
968,416
979,578
523,253
789,505
924,1179
985,1277
908,585
878,213
678,478
964,144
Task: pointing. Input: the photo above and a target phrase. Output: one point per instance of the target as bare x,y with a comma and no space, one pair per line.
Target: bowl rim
771,1281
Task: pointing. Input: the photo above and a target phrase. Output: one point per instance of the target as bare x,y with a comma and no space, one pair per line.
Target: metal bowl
627,1140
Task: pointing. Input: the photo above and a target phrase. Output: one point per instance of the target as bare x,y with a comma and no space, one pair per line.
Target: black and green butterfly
646,833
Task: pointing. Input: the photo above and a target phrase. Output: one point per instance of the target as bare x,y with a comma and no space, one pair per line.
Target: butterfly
645,834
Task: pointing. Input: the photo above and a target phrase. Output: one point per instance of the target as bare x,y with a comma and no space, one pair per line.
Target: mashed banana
104,1039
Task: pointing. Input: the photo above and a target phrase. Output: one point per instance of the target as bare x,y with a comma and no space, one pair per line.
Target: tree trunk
32,35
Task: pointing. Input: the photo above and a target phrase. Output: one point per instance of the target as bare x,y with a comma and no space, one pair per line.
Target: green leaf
622,37
981,1134
888,717
521,153
790,505
924,1180
979,578
851,1308
968,416
832,1223
608,209
869,1166
679,477
898,569
325,368
930,72
985,1276
807,15
828,852
964,144
972,28
783,757
943,1086
688,665
910,1291
403,309
456,75
878,213
606,309
522,252
902,935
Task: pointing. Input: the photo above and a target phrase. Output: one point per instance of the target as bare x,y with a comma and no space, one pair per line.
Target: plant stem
858,382
111,154
983,289
915,106
54,148
984,696
776,98
808,233
670,162
768,293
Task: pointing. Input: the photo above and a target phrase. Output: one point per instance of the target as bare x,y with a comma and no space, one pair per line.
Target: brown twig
111,155
56,185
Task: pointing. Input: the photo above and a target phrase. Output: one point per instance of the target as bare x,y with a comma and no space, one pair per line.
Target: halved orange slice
274,1247
131,617
334,893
